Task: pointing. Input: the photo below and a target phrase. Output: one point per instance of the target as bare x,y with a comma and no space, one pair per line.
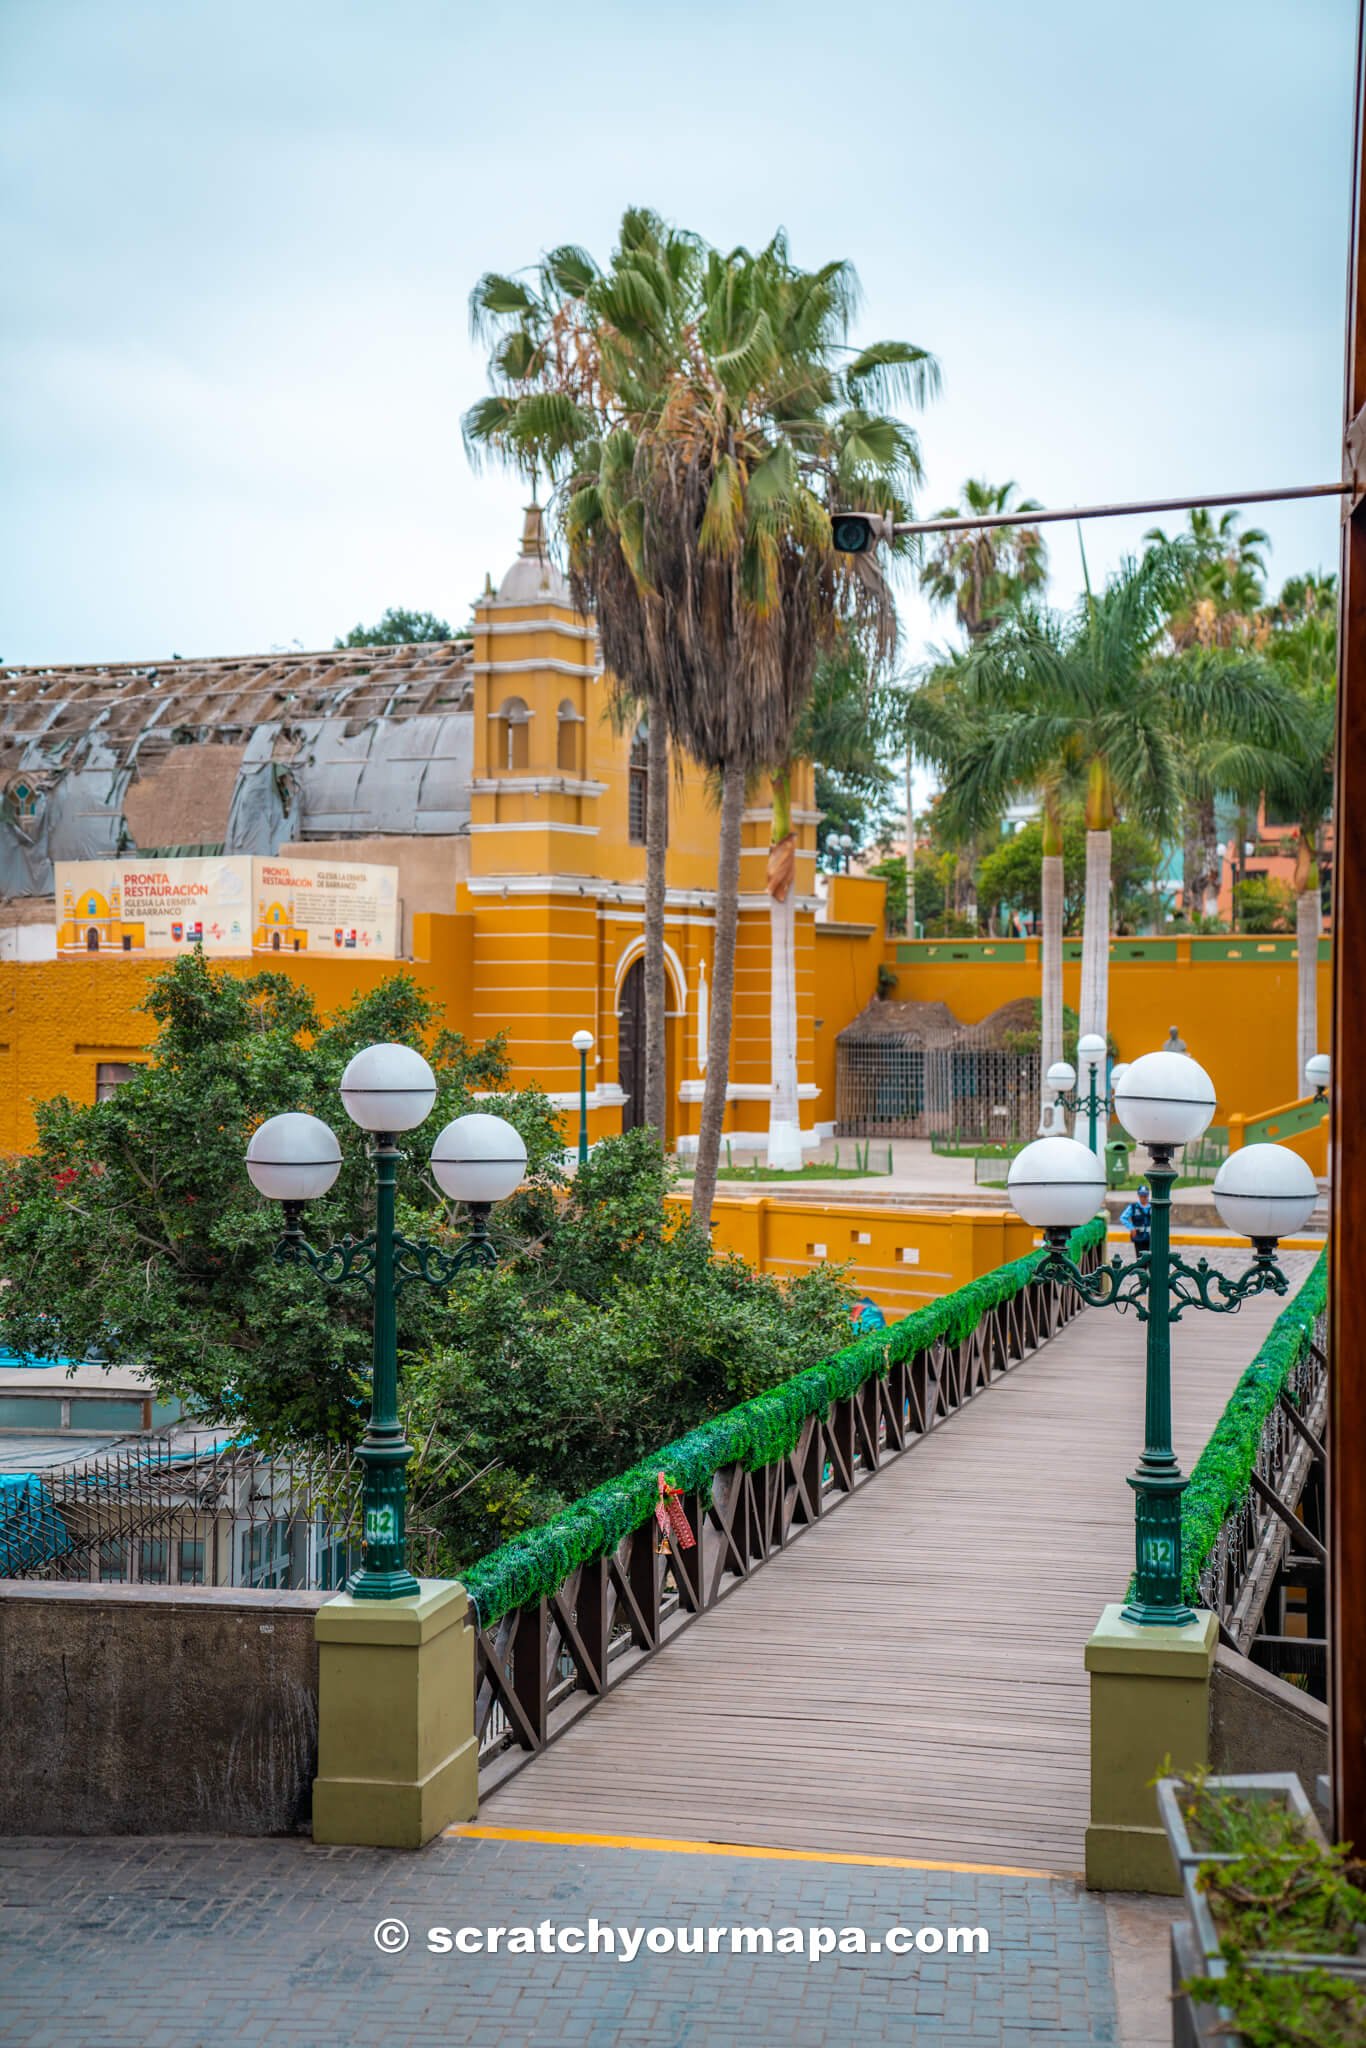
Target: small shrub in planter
1278,1913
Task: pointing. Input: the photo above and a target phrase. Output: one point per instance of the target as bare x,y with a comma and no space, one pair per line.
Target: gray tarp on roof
359,742
405,775
264,811
79,818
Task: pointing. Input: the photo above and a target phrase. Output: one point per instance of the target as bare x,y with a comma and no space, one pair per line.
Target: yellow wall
60,1020
901,1257
1237,1015
847,948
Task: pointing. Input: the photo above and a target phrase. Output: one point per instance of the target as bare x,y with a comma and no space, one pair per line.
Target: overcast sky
239,240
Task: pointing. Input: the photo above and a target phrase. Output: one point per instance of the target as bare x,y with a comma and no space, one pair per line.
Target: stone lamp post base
1150,1702
397,1756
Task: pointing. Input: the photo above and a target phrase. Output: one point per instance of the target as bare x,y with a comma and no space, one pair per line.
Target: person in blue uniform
1138,1220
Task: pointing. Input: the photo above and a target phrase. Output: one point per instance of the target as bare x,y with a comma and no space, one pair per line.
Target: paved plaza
195,1943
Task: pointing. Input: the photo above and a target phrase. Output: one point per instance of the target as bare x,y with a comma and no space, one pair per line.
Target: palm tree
985,574
704,413
577,355
839,730
722,507
1296,776
1218,607
952,726
1049,697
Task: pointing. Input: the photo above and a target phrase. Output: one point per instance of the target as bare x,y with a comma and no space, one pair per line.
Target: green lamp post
1097,1096
582,1042
293,1159
1264,1192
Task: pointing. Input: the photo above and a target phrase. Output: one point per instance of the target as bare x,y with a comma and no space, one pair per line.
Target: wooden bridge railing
544,1663
1268,1562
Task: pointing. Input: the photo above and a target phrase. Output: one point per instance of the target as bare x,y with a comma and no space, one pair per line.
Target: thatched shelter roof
928,1025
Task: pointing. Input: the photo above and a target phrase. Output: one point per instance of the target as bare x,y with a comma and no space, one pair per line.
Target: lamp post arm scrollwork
1262,1192
294,1158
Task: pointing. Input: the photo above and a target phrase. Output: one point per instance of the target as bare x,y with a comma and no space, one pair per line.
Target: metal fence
190,1509
889,1087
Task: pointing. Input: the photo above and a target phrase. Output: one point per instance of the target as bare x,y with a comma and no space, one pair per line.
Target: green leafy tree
1047,701
844,731
397,629
132,1228
1263,904
1013,875
930,897
601,1339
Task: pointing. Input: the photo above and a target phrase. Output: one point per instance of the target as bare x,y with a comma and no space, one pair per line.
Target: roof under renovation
238,755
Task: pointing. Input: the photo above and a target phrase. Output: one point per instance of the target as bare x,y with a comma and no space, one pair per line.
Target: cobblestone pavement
182,1944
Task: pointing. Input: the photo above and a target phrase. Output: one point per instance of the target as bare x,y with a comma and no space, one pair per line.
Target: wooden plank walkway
907,1680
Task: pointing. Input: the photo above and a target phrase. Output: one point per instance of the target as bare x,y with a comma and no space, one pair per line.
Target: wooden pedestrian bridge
875,1645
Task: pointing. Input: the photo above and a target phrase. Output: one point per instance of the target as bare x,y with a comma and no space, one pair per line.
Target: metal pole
910,844
1347,1235
384,1453
583,1109
1158,1483
974,523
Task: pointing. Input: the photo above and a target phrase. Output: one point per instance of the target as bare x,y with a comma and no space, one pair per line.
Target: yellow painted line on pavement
668,1845
1226,1243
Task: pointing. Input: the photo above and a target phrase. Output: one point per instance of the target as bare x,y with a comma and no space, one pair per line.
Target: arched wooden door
631,1045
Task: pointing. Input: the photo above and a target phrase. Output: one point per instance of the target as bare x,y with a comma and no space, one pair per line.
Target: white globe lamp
1265,1192
1091,1050
388,1088
293,1157
1318,1071
582,1041
478,1159
1056,1183
1061,1077
1165,1099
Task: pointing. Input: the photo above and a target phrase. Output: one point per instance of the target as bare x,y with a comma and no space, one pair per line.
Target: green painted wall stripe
910,951
1286,1123
1143,949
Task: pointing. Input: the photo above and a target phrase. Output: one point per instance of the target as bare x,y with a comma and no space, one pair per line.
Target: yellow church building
489,771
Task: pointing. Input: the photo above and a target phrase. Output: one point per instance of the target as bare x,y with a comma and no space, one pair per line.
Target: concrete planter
1195,1942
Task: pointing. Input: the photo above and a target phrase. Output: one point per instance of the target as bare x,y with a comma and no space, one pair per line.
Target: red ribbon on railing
670,1516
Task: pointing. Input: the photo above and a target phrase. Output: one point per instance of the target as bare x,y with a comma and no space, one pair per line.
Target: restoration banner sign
228,907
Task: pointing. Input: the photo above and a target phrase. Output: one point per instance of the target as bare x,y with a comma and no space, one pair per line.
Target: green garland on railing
758,1432
1222,1477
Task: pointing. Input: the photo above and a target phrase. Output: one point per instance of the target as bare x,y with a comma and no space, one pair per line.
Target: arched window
638,795
638,792
567,743
514,753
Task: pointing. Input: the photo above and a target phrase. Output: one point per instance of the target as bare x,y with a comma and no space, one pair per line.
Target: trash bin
1116,1162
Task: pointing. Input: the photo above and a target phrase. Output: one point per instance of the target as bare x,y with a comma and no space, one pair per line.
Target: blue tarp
31,1530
